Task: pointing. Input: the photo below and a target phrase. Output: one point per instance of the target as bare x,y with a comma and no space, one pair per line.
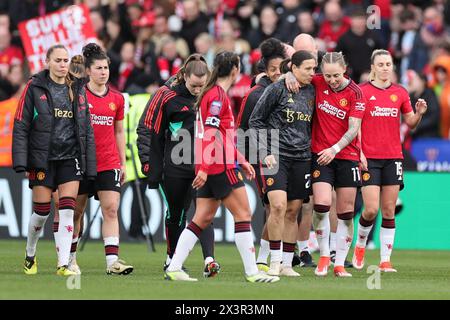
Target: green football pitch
421,275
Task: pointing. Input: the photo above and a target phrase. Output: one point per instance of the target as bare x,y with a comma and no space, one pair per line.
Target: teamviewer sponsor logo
384,112
102,120
325,106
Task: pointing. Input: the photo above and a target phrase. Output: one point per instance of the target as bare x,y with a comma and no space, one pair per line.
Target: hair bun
91,49
272,48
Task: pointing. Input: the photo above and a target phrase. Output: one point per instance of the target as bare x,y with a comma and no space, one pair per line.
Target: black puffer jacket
33,127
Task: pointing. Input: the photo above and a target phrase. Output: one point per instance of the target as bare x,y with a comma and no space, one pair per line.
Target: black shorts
104,181
219,186
292,176
388,172
339,173
260,182
57,173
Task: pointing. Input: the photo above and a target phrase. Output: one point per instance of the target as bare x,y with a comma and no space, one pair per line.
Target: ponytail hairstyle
68,80
376,53
297,59
76,67
224,62
92,52
196,65
271,49
333,57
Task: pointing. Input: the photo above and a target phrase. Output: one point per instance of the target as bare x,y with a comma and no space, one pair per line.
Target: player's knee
278,208
291,215
370,212
110,213
388,211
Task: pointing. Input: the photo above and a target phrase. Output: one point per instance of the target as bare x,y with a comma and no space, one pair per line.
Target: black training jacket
247,106
168,111
291,114
33,127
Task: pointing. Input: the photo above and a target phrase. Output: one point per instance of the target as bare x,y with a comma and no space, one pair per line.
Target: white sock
302,246
168,260
64,238
321,223
344,239
35,227
264,251
363,233
244,243
287,259
111,250
332,241
185,244
387,236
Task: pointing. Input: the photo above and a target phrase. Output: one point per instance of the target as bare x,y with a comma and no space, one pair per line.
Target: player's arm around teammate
287,178
340,107
381,146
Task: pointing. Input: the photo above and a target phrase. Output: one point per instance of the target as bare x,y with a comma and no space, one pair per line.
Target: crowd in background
148,40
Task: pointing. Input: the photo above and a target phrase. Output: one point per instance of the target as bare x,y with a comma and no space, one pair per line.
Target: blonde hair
334,57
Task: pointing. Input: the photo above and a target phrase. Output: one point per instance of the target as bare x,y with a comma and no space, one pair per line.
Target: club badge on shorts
40,175
316,174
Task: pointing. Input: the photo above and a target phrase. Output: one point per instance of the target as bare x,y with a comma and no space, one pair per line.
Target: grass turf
421,275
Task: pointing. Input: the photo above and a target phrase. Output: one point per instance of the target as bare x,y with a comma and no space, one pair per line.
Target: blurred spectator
430,35
26,9
441,86
288,20
128,72
161,31
409,25
268,27
306,24
230,41
4,20
418,89
98,23
194,23
246,14
334,25
204,44
168,61
7,110
357,45
9,54
215,11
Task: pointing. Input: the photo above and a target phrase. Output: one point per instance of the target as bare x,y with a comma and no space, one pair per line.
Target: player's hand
326,156
123,174
363,162
292,83
199,180
421,106
270,161
249,171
